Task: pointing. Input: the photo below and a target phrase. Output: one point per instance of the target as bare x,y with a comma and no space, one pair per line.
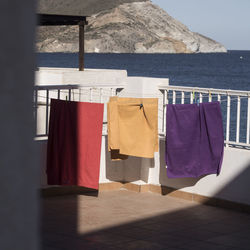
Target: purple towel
194,140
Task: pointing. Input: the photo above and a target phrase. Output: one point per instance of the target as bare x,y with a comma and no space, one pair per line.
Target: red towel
74,143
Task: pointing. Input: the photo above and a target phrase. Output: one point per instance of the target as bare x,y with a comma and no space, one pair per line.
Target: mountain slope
134,27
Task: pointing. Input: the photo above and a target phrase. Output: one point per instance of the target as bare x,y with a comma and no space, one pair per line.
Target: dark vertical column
81,46
19,164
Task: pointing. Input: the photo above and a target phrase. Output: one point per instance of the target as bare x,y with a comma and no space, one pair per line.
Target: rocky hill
79,7
124,26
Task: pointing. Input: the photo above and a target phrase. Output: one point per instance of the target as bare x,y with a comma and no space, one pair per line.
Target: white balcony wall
232,184
65,76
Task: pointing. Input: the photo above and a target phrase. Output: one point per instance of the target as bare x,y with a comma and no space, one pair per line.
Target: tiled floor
128,220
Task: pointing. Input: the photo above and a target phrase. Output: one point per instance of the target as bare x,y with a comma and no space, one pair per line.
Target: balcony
150,174
144,201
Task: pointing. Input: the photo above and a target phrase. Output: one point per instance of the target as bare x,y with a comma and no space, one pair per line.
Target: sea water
210,70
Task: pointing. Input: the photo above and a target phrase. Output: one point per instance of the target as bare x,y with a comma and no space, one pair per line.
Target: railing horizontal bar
76,86
207,90
242,144
176,93
237,143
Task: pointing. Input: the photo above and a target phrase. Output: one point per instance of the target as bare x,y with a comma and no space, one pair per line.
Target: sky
225,21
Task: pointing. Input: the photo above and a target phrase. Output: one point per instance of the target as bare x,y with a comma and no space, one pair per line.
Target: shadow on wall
129,170
235,188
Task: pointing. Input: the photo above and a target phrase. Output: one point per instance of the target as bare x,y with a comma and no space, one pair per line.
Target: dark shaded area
68,190
46,19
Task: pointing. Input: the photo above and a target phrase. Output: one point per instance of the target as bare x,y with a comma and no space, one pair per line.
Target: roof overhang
48,19
53,20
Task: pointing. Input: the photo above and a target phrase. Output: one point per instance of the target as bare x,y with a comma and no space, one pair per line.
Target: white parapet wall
232,184
65,76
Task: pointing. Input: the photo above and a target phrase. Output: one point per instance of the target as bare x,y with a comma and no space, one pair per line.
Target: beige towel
132,127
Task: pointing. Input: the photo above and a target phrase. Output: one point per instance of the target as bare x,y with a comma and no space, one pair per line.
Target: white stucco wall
232,184
65,76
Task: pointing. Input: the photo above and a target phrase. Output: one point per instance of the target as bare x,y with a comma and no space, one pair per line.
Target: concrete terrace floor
128,220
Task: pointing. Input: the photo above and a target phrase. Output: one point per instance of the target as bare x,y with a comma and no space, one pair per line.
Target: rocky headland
125,26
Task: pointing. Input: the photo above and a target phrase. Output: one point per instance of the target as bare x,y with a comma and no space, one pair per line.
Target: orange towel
132,127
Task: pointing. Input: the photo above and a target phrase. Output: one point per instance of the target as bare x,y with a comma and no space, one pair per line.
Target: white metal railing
44,93
235,105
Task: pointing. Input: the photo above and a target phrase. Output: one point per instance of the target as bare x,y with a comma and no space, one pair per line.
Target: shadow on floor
128,220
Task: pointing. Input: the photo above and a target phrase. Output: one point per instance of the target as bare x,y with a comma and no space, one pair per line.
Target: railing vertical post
174,96
90,95
165,102
58,94
191,97
238,120
36,108
182,97
101,99
228,118
112,92
80,93
248,118
218,97
81,46
47,113
69,94
209,96
201,96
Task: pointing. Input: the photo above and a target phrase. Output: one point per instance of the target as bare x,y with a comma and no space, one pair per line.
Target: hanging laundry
74,143
194,139
132,127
